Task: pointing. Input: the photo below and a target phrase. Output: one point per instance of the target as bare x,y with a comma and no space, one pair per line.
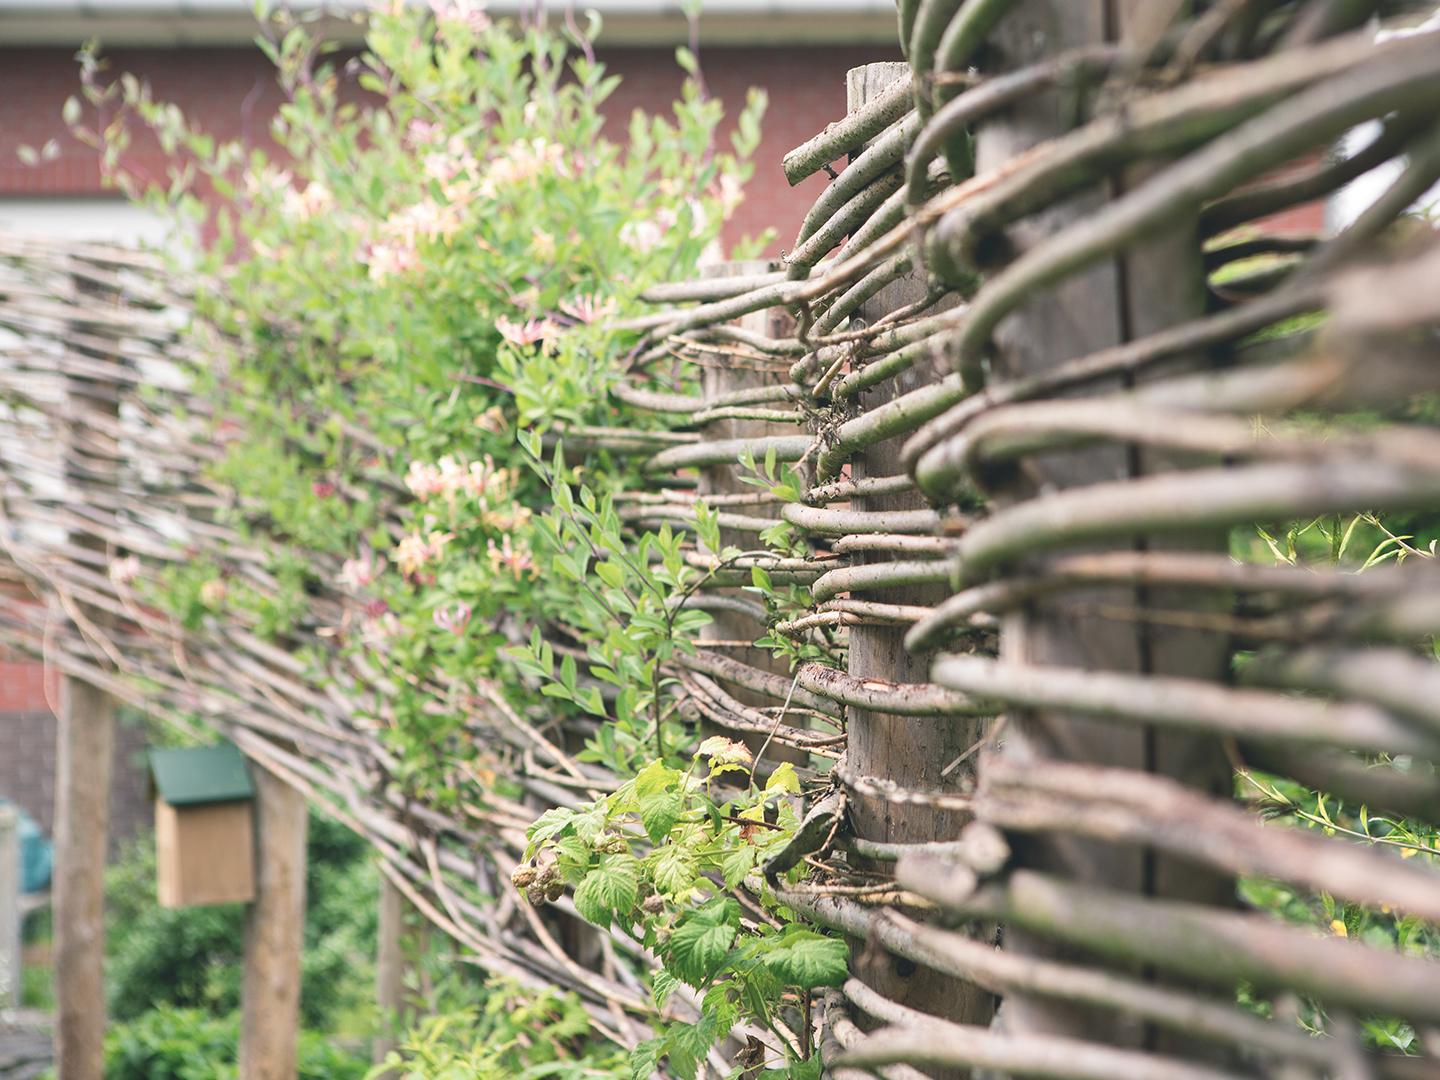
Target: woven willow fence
1056,359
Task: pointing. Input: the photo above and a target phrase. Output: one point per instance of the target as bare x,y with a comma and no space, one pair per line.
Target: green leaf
530,443
611,887
662,985
645,1058
655,777
736,863
589,824
548,826
659,813
707,525
611,574
784,778
797,1070
807,960
724,751
687,1044
675,869
698,949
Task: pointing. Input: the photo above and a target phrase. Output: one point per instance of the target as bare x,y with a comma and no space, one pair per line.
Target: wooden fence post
908,752
717,379
389,968
10,970
274,934
85,741
1151,285
82,815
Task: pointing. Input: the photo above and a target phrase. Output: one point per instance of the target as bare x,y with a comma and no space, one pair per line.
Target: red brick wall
27,756
27,773
22,685
231,92
806,88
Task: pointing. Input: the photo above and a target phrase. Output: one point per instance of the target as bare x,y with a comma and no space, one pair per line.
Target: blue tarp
36,854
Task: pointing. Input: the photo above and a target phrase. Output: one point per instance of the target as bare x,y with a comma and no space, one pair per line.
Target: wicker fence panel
1035,354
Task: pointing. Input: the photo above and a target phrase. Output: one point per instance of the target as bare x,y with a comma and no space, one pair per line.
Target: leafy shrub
190,957
514,1034
168,1043
411,281
1358,543
650,856
424,277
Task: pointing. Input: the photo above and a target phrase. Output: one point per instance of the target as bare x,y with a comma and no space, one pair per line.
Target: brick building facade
27,754
228,88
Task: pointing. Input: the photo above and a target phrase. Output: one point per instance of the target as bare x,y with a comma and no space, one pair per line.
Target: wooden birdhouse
204,829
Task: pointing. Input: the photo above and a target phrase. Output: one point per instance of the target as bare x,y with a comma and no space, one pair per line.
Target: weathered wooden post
82,817
274,933
389,968
1152,285
85,743
10,969
722,482
911,752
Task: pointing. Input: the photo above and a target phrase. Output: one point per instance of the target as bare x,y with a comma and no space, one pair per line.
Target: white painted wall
111,220
1347,204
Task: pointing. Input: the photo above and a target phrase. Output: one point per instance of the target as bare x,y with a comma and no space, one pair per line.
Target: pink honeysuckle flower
376,608
453,617
322,489
358,574
491,420
379,630
124,571
410,553
642,236
730,191
453,477
529,333
414,551
269,181
441,167
482,475
507,557
425,220
507,520
313,201
470,13
520,163
424,480
387,259
424,132
587,308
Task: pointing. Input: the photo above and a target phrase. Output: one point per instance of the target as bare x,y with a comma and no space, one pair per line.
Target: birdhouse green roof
194,776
